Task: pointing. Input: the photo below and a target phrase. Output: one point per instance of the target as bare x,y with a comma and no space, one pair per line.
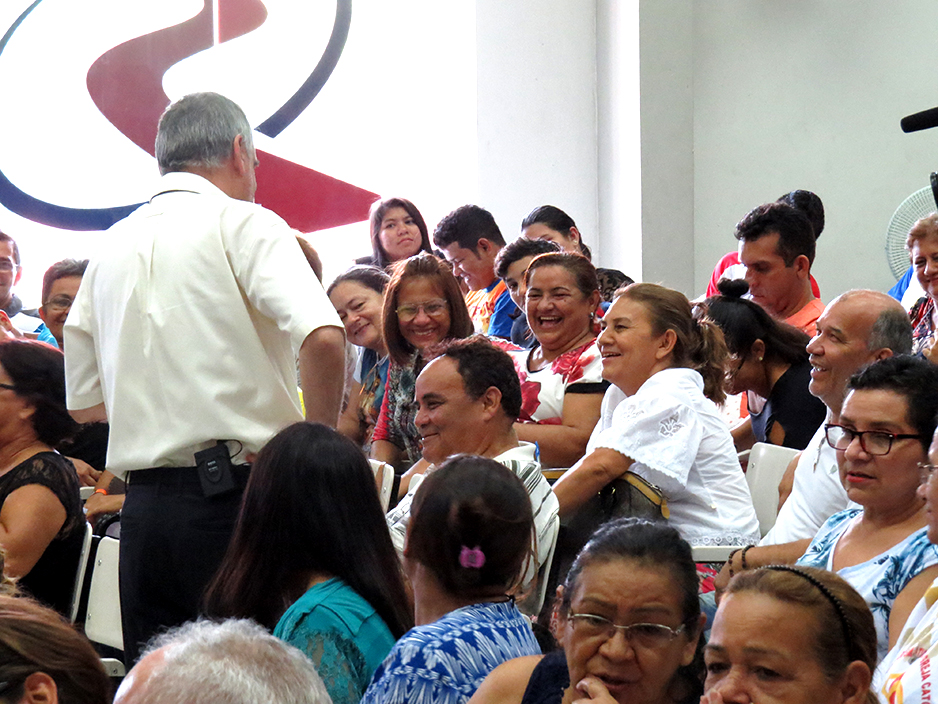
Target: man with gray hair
235,662
856,329
185,334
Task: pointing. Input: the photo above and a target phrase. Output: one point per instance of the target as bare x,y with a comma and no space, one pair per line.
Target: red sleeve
726,261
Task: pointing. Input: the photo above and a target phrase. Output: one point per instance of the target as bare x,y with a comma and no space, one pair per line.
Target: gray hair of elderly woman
229,662
198,130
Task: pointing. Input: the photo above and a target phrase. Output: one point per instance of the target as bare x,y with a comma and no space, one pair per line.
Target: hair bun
733,288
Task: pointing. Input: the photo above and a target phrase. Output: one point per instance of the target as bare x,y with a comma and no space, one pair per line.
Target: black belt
181,475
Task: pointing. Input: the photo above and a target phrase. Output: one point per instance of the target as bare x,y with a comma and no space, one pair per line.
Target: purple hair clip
471,558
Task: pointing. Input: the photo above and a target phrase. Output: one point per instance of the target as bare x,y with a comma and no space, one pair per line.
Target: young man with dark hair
470,240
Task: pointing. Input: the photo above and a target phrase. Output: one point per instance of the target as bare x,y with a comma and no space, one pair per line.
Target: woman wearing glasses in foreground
880,549
629,620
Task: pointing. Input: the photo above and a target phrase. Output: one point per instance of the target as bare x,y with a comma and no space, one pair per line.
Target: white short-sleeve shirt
679,442
188,324
816,494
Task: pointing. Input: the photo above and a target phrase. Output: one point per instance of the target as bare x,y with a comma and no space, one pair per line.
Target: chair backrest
533,602
767,464
81,571
384,478
103,621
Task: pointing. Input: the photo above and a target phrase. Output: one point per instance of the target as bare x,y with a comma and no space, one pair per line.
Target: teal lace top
341,633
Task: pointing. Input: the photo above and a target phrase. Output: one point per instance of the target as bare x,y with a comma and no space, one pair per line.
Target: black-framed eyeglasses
8,386
873,442
643,635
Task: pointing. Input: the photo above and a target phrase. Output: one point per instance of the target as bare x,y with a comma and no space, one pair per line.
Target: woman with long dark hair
769,361
422,306
311,557
398,231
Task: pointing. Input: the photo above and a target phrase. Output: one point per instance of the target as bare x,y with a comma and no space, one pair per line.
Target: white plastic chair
81,571
103,621
767,465
384,478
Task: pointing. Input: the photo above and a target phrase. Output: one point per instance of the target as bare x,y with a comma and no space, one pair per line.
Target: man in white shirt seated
855,330
468,398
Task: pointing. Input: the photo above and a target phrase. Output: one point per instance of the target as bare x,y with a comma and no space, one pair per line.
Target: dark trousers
172,541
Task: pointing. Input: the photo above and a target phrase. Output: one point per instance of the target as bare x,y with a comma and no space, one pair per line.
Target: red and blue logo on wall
126,84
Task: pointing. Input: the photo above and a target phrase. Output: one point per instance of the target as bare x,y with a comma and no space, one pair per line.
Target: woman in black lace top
41,523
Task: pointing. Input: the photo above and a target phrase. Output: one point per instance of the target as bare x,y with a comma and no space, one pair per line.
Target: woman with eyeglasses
629,620
880,547
768,360
790,635
422,306
41,522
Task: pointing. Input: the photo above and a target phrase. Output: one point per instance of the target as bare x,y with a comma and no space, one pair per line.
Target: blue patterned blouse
444,662
341,633
879,580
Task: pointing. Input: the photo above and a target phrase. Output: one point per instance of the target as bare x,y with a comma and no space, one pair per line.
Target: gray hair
197,131
892,329
231,662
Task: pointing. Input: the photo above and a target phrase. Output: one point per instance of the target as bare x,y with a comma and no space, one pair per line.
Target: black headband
834,601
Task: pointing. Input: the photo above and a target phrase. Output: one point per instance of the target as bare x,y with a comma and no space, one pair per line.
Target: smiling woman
561,377
922,244
659,419
422,306
358,296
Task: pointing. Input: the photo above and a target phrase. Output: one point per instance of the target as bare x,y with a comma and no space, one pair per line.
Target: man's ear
19,273
39,688
802,266
486,247
882,353
240,155
491,402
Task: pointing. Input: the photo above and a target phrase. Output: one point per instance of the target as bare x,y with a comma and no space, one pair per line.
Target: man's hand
87,475
6,327
100,504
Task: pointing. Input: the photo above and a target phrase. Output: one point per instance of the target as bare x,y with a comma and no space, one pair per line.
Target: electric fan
913,208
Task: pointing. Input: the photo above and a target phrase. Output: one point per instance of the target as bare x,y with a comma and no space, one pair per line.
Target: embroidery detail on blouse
670,426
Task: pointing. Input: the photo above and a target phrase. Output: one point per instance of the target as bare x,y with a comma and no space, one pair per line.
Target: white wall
537,125
796,94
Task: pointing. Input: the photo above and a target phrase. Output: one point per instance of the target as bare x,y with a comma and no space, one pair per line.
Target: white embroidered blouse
679,442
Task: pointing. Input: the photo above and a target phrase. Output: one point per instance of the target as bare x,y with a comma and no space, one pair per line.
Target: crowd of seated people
479,366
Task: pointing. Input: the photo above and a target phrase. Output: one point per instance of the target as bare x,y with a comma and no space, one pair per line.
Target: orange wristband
99,491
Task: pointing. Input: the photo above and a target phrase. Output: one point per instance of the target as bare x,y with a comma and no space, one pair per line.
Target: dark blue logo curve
88,219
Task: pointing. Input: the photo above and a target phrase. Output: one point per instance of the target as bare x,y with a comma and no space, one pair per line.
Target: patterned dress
542,392
879,580
923,324
444,662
